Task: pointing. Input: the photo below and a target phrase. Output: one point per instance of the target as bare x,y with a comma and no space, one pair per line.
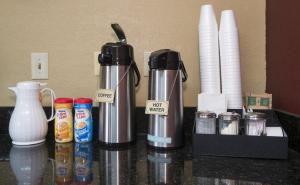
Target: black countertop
51,163
71,163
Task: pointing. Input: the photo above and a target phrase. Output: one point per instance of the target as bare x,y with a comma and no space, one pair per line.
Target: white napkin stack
212,102
274,131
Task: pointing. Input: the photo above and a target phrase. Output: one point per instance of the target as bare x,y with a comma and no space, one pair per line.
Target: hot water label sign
105,95
157,107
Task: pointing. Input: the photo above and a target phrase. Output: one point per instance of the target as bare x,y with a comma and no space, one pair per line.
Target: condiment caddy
228,135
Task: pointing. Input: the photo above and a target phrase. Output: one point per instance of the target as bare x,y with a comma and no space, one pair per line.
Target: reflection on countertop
28,163
89,163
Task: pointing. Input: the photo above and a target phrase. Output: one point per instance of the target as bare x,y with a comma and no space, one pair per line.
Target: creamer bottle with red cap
83,122
63,120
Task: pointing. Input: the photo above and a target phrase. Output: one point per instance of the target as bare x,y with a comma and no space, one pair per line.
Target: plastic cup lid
227,20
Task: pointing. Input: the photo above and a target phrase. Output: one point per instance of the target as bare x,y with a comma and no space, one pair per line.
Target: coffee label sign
157,107
105,95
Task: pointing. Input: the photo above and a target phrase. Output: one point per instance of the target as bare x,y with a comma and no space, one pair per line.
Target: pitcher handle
53,97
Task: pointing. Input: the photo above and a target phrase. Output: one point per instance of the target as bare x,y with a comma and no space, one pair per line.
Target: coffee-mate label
105,95
157,107
63,125
83,123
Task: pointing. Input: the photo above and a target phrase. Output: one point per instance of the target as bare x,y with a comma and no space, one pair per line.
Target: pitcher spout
14,89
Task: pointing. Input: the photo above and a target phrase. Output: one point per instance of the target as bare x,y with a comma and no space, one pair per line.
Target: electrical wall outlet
96,63
146,60
39,66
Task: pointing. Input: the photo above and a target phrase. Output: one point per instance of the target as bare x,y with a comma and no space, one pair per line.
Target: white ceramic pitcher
28,124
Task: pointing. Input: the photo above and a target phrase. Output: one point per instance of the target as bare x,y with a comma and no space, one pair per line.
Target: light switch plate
39,66
146,60
96,63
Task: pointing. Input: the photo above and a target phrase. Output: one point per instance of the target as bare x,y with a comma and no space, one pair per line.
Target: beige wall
71,30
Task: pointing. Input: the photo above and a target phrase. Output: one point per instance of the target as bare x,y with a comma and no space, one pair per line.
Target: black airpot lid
165,59
118,53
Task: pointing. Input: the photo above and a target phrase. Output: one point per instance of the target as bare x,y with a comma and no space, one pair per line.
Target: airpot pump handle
137,72
185,75
119,32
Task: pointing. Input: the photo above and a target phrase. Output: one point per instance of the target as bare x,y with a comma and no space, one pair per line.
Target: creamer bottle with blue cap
83,122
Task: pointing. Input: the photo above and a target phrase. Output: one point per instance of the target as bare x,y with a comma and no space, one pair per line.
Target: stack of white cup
230,60
209,51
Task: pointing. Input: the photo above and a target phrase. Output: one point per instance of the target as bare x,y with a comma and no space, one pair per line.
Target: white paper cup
231,87
208,87
232,90
227,21
209,69
210,79
233,83
234,79
228,33
209,59
232,95
232,65
207,16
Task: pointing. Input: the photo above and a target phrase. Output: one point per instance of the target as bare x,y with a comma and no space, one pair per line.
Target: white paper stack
212,102
209,51
274,131
230,60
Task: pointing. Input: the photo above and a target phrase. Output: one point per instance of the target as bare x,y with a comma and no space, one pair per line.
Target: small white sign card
157,107
105,95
